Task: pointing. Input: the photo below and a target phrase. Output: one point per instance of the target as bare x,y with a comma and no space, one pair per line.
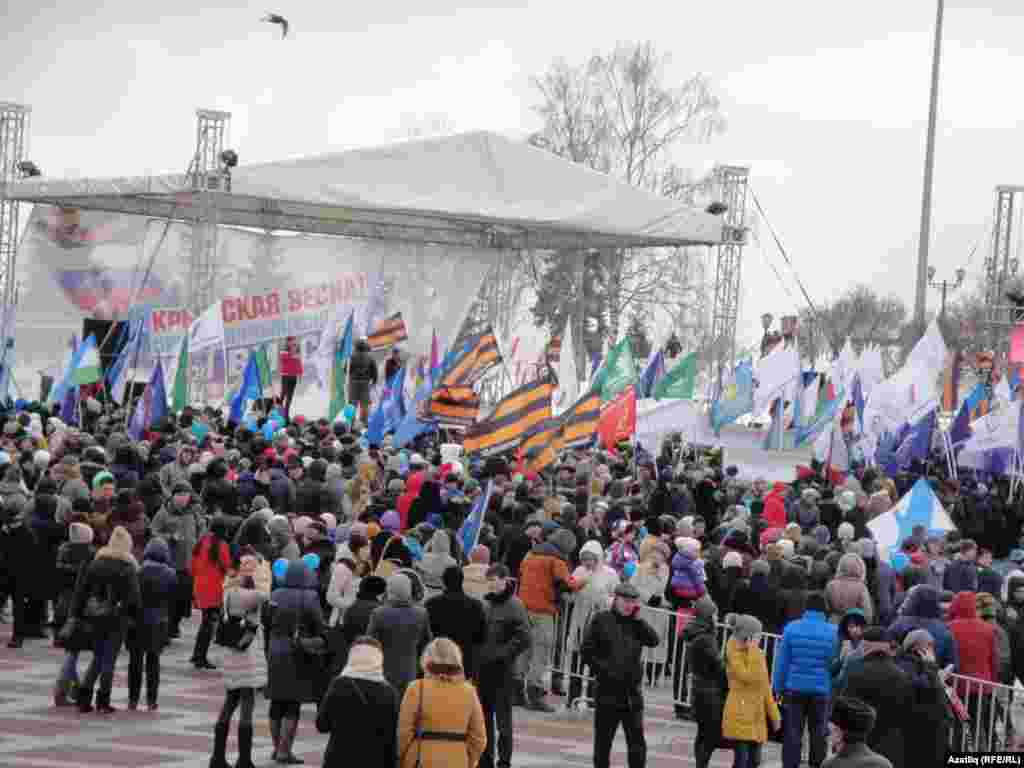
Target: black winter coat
115,576
19,563
359,712
220,497
158,582
878,681
48,535
291,676
459,617
312,499
612,647
928,722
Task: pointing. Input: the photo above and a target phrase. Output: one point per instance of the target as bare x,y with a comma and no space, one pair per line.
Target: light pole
945,286
766,322
929,167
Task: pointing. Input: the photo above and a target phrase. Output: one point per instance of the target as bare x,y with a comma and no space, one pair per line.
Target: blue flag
858,401
67,406
152,406
469,533
390,410
654,372
736,398
250,389
918,442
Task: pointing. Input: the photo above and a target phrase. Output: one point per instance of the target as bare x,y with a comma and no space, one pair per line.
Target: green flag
263,364
179,392
339,372
680,382
619,371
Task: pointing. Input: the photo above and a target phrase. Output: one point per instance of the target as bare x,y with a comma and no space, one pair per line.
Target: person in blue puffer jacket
803,664
687,583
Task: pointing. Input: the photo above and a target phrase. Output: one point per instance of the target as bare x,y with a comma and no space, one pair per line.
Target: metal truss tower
13,130
207,177
731,188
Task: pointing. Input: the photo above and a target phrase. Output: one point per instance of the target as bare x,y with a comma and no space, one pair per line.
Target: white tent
474,189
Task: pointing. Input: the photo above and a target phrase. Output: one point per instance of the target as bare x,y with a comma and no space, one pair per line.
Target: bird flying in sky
275,18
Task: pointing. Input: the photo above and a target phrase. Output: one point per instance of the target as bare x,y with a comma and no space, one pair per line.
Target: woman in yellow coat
441,724
750,703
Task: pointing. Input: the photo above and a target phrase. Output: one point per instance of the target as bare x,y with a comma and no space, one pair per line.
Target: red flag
618,420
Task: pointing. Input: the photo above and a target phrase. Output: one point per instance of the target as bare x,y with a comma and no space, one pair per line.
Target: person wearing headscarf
360,707
441,723
848,590
244,669
282,542
158,584
106,598
929,719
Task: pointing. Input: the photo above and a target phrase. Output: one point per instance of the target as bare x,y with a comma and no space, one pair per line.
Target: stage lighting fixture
717,209
229,157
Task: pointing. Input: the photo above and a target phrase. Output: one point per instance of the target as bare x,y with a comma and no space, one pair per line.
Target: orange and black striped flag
513,417
478,354
580,421
541,446
454,407
389,331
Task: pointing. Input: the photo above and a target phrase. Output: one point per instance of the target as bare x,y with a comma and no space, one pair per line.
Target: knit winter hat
762,567
917,637
689,546
732,560
102,478
705,608
80,533
399,588
855,717
364,659
845,531
746,628
260,502
390,521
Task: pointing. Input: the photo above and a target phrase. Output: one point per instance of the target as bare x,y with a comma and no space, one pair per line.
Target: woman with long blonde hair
441,723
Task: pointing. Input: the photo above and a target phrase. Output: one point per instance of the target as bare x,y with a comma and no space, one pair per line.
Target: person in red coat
290,364
211,560
976,641
774,513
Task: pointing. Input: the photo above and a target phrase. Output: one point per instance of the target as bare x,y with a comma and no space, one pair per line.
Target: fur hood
118,548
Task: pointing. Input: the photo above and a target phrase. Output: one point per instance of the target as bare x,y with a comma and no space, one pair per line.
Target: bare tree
861,315
617,114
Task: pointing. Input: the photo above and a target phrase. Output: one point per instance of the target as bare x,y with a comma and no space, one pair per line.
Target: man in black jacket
456,615
508,636
880,683
612,648
707,671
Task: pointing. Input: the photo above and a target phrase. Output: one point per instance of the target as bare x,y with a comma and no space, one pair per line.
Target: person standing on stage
290,363
362,377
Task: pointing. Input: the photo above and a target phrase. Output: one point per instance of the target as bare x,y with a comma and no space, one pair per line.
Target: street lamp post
929,167
766,322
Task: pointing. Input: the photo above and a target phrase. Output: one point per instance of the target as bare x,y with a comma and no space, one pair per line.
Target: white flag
206,331
776,375
568,381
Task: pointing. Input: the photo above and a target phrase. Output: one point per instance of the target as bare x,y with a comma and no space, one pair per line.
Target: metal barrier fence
986,707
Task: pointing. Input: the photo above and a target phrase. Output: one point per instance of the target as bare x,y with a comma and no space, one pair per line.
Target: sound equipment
101,329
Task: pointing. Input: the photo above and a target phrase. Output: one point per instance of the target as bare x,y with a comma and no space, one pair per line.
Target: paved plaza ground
34,734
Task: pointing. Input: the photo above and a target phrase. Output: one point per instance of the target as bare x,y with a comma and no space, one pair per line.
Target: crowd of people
331,571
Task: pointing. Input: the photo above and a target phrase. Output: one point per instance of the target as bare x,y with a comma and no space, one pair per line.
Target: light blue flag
736,398
919,506
250,389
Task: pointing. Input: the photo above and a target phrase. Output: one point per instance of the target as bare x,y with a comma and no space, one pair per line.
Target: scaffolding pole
731,184
13,135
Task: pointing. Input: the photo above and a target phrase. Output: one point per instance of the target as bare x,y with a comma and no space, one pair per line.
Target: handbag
234,632
386,568
777,736
417,733
76,635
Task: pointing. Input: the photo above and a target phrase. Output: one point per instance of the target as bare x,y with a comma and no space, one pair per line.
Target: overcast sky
826,101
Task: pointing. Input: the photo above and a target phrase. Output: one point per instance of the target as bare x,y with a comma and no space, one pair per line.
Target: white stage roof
474,189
